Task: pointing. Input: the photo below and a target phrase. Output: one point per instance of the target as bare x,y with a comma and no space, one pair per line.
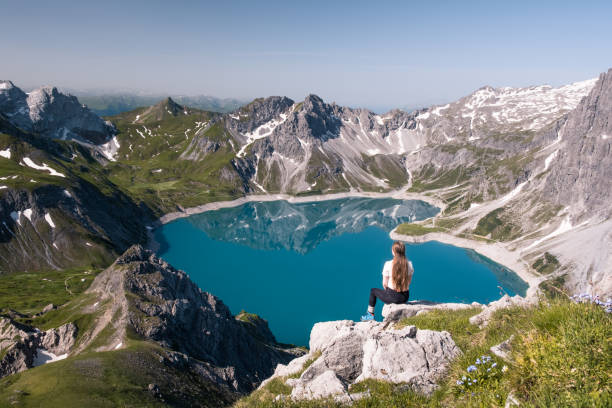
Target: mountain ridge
478,149
149,327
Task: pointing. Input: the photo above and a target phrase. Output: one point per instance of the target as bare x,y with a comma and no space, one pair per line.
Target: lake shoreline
495,252
401,194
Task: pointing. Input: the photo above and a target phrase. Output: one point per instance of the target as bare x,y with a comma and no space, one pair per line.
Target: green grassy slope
160,160
110,379
79,198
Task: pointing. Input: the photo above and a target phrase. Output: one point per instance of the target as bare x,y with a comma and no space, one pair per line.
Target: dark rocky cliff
161,304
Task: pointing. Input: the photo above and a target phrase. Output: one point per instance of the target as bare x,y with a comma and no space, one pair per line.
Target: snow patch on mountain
49,220
26,161
110,149
549,159
534,106
6,153
263,130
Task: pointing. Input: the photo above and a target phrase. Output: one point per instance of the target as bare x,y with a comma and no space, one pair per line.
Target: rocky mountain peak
278,103
51,113
313,102
135,253
259,116
581,171
171,106
12,99
164,109
162,305
4,84
320,120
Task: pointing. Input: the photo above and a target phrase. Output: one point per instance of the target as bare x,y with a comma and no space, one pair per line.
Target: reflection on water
301,227
298,264
505,276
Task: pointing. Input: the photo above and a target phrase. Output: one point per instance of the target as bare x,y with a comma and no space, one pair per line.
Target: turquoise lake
298,264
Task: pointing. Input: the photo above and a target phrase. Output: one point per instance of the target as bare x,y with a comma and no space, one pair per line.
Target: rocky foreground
147,323
142,303
343,353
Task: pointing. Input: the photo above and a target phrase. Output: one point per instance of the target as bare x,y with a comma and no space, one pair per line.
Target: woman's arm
386,273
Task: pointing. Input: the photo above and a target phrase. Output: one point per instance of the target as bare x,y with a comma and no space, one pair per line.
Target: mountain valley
522,175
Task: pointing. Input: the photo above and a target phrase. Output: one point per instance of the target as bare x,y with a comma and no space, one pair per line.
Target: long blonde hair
399,270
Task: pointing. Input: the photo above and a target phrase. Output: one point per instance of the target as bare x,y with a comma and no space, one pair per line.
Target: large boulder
346,353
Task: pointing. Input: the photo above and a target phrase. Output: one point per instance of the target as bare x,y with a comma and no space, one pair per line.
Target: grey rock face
352,352
165,306
316,120
21,344
319,146
82,214
344,356
249,117
581,174
326,384
50,113
417,357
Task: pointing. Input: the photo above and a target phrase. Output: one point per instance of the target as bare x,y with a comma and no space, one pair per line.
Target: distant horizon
391,54
161,95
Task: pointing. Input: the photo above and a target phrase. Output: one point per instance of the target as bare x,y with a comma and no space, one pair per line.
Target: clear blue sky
377,54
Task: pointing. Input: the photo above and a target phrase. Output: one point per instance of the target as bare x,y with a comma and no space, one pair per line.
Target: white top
388,271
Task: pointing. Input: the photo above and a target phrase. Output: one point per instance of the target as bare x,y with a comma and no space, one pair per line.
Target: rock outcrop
345,352
503,350
581,173
161,304
23,347
50,113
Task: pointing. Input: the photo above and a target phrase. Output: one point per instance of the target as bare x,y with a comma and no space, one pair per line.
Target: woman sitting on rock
397,275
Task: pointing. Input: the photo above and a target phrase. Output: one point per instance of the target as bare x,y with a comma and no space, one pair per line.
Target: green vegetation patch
497,223
110,379
29,292
455,322
416,229
564,358
554,287
425,180
449,223
546,264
